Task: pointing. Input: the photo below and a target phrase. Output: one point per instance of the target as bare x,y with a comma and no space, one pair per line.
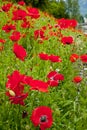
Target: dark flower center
9,28
67,42
43,119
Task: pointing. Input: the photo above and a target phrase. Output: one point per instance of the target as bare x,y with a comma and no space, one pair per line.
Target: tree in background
58,8
73,9
86,15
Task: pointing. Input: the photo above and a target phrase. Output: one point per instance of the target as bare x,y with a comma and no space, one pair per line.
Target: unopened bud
11,92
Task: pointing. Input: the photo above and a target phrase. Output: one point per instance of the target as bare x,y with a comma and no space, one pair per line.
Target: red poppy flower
77,79
67,40
19,51
39,85
52,74
83,58
27,79
59,76
19,14
44,56
22,3
73,23
17,79
25,24
2,41
54,77
33,12
39,34
8,27
15,36
54,58
65,23
43,27
53,83
50,26
74,57
18,99
15,88
42,116
14,79
6,7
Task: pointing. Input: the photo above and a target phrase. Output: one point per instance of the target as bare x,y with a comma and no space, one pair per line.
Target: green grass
68,100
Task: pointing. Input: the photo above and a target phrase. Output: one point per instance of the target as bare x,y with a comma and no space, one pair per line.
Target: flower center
43,119
67,42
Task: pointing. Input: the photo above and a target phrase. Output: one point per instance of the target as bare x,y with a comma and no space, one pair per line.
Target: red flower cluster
72,23
82,57
67,40
25,23
19,14
65,23
8,27
19,51
22,3
52,58
54,78
15,36
6,7
33,13
74,57
39,34
15,88
42,116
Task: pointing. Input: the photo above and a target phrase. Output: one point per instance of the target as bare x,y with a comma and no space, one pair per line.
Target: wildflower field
43,70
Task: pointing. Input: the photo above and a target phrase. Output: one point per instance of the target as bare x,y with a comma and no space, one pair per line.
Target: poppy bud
11,92
24,114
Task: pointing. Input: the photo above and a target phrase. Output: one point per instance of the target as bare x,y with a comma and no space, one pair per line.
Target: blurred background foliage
58,8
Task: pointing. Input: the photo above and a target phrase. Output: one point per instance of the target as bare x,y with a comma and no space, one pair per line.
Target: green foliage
67,100
81,19
86,15
58,9
73,9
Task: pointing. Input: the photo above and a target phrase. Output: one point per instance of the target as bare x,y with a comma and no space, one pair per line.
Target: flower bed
42,73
